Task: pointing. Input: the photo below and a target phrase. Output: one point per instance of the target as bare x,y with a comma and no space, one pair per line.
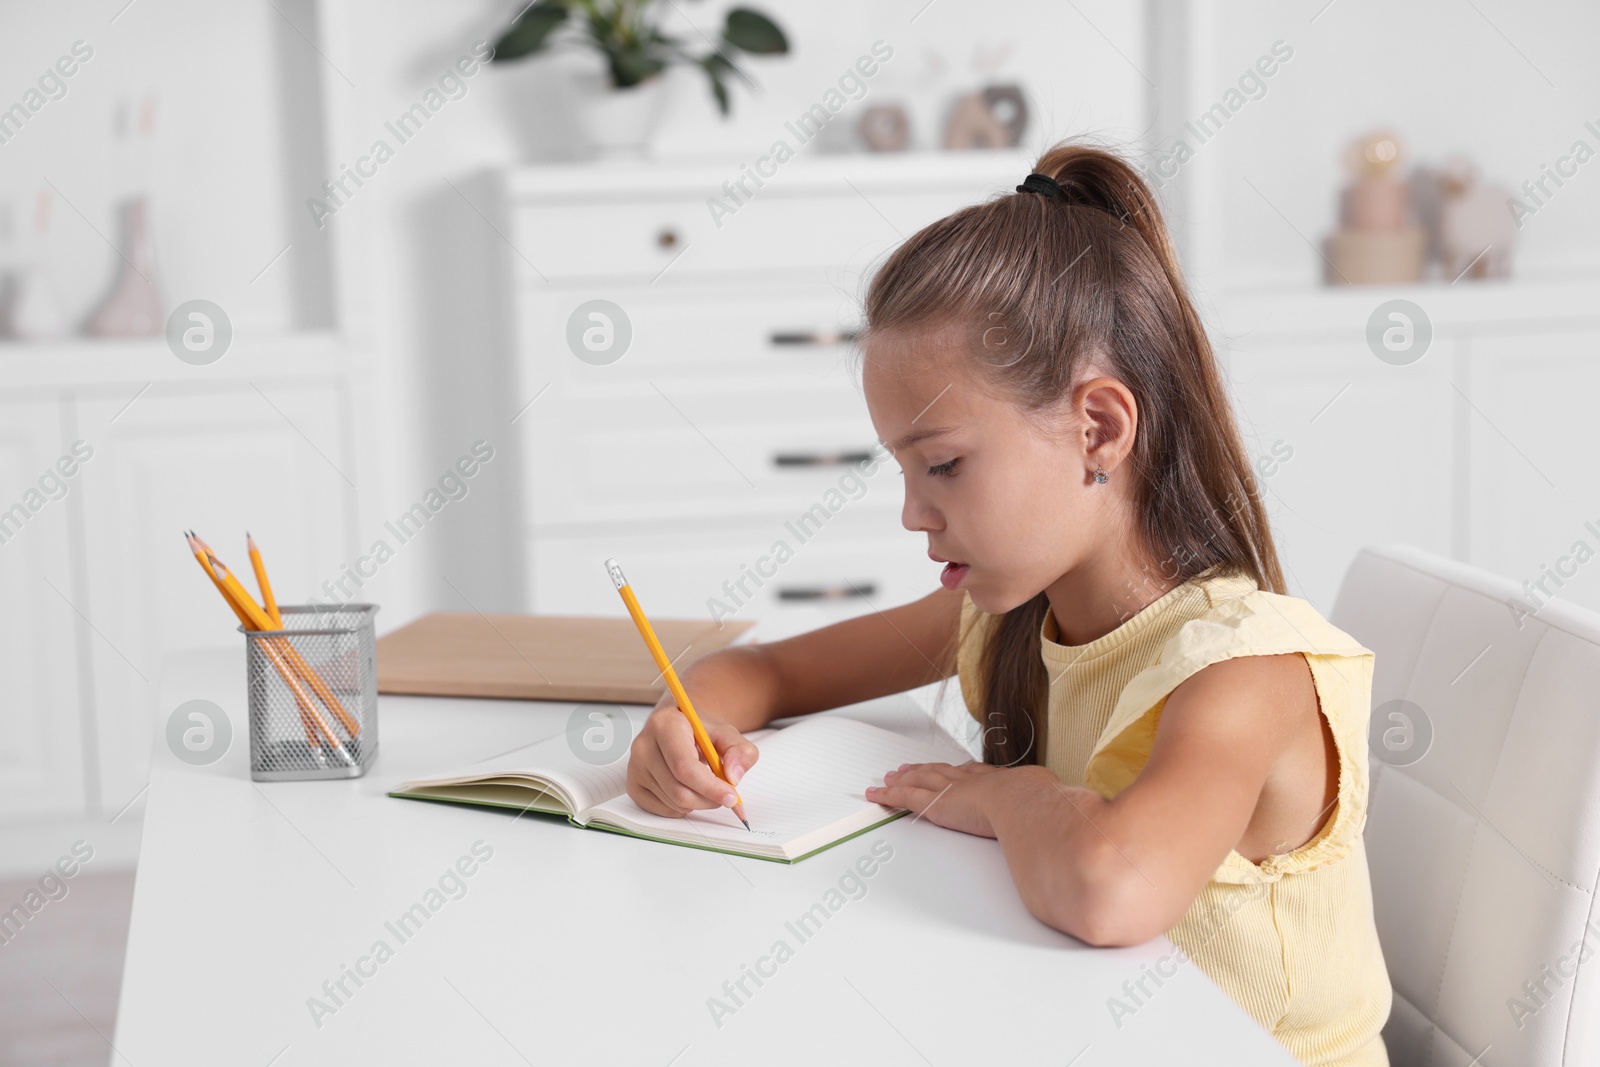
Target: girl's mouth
953,574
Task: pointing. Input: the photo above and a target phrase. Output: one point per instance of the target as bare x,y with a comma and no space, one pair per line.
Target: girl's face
1014,506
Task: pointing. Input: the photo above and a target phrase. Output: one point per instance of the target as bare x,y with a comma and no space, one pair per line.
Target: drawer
774,231
840,572
796,332
715,454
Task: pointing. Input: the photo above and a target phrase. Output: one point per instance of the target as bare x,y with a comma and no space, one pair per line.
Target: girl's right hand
668,776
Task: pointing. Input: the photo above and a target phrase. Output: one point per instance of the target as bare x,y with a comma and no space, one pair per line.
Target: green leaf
718,63
753,32
631,66
603,27
529,31
714,64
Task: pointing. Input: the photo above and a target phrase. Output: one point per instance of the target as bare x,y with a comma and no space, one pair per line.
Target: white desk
572,946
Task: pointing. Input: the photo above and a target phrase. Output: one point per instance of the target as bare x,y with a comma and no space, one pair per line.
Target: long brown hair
1041,285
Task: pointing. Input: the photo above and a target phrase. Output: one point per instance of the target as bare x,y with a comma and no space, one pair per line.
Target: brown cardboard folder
541,657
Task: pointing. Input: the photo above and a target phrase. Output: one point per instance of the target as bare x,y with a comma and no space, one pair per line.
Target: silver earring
1101,476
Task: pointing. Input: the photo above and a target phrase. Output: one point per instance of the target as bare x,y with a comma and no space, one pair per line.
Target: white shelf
1478,307
84,361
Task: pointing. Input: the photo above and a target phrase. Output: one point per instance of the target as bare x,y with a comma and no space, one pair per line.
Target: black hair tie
1042,184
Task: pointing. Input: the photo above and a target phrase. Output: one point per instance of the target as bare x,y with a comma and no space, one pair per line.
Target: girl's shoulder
1241,619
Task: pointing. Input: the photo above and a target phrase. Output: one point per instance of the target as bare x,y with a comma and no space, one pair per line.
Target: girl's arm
1121,871
858,659
744,687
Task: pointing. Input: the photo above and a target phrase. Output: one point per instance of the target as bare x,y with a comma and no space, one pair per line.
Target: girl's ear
1110,418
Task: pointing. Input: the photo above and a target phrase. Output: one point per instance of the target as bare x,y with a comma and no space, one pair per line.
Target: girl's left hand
948,795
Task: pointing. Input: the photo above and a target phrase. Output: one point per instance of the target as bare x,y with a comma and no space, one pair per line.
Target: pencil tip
746,824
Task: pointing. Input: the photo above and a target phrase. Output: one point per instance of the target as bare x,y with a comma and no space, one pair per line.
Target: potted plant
623,103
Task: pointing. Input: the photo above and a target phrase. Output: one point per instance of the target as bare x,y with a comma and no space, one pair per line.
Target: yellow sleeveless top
1291,939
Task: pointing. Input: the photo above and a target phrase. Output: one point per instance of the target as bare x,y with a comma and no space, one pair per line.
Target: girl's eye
943,470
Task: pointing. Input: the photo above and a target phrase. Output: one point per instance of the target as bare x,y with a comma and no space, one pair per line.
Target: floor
61,972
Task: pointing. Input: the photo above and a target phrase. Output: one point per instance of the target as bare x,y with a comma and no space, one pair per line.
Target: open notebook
805,794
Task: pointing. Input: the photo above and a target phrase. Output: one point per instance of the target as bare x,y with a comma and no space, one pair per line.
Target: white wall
1509,84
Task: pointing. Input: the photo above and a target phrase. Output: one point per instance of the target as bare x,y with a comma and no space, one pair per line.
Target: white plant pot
618,123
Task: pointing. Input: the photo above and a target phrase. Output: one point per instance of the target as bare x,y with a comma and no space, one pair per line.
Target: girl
1171,743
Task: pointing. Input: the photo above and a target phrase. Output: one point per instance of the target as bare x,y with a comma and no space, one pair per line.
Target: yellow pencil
268,601
270,604
261,620
309,716
244,620
701,738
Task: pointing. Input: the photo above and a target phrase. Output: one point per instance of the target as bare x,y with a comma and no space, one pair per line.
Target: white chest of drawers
718,458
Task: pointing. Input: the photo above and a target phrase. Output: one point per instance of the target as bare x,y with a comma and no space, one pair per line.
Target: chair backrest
1483,825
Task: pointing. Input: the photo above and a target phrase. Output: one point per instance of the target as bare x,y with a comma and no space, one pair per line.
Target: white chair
1485,851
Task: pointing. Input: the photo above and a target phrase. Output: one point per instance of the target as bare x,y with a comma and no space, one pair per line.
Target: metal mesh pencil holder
313,693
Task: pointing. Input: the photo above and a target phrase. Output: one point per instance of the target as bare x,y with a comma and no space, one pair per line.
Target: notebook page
811,778
558,760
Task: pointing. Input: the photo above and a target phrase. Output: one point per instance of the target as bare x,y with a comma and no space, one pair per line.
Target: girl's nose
917,516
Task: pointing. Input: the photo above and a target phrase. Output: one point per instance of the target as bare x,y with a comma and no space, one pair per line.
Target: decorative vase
618,123
133,307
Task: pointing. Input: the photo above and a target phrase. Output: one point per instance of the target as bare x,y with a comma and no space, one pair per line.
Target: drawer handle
819,592
815,337
820,459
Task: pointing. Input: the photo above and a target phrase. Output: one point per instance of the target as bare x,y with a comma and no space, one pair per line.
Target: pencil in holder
313,693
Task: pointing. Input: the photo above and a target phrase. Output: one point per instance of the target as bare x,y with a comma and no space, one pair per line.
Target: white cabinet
684,452
99,585
735,331
733,420
787,576
1534,491
1475,450
42,764
1348,451
571,225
